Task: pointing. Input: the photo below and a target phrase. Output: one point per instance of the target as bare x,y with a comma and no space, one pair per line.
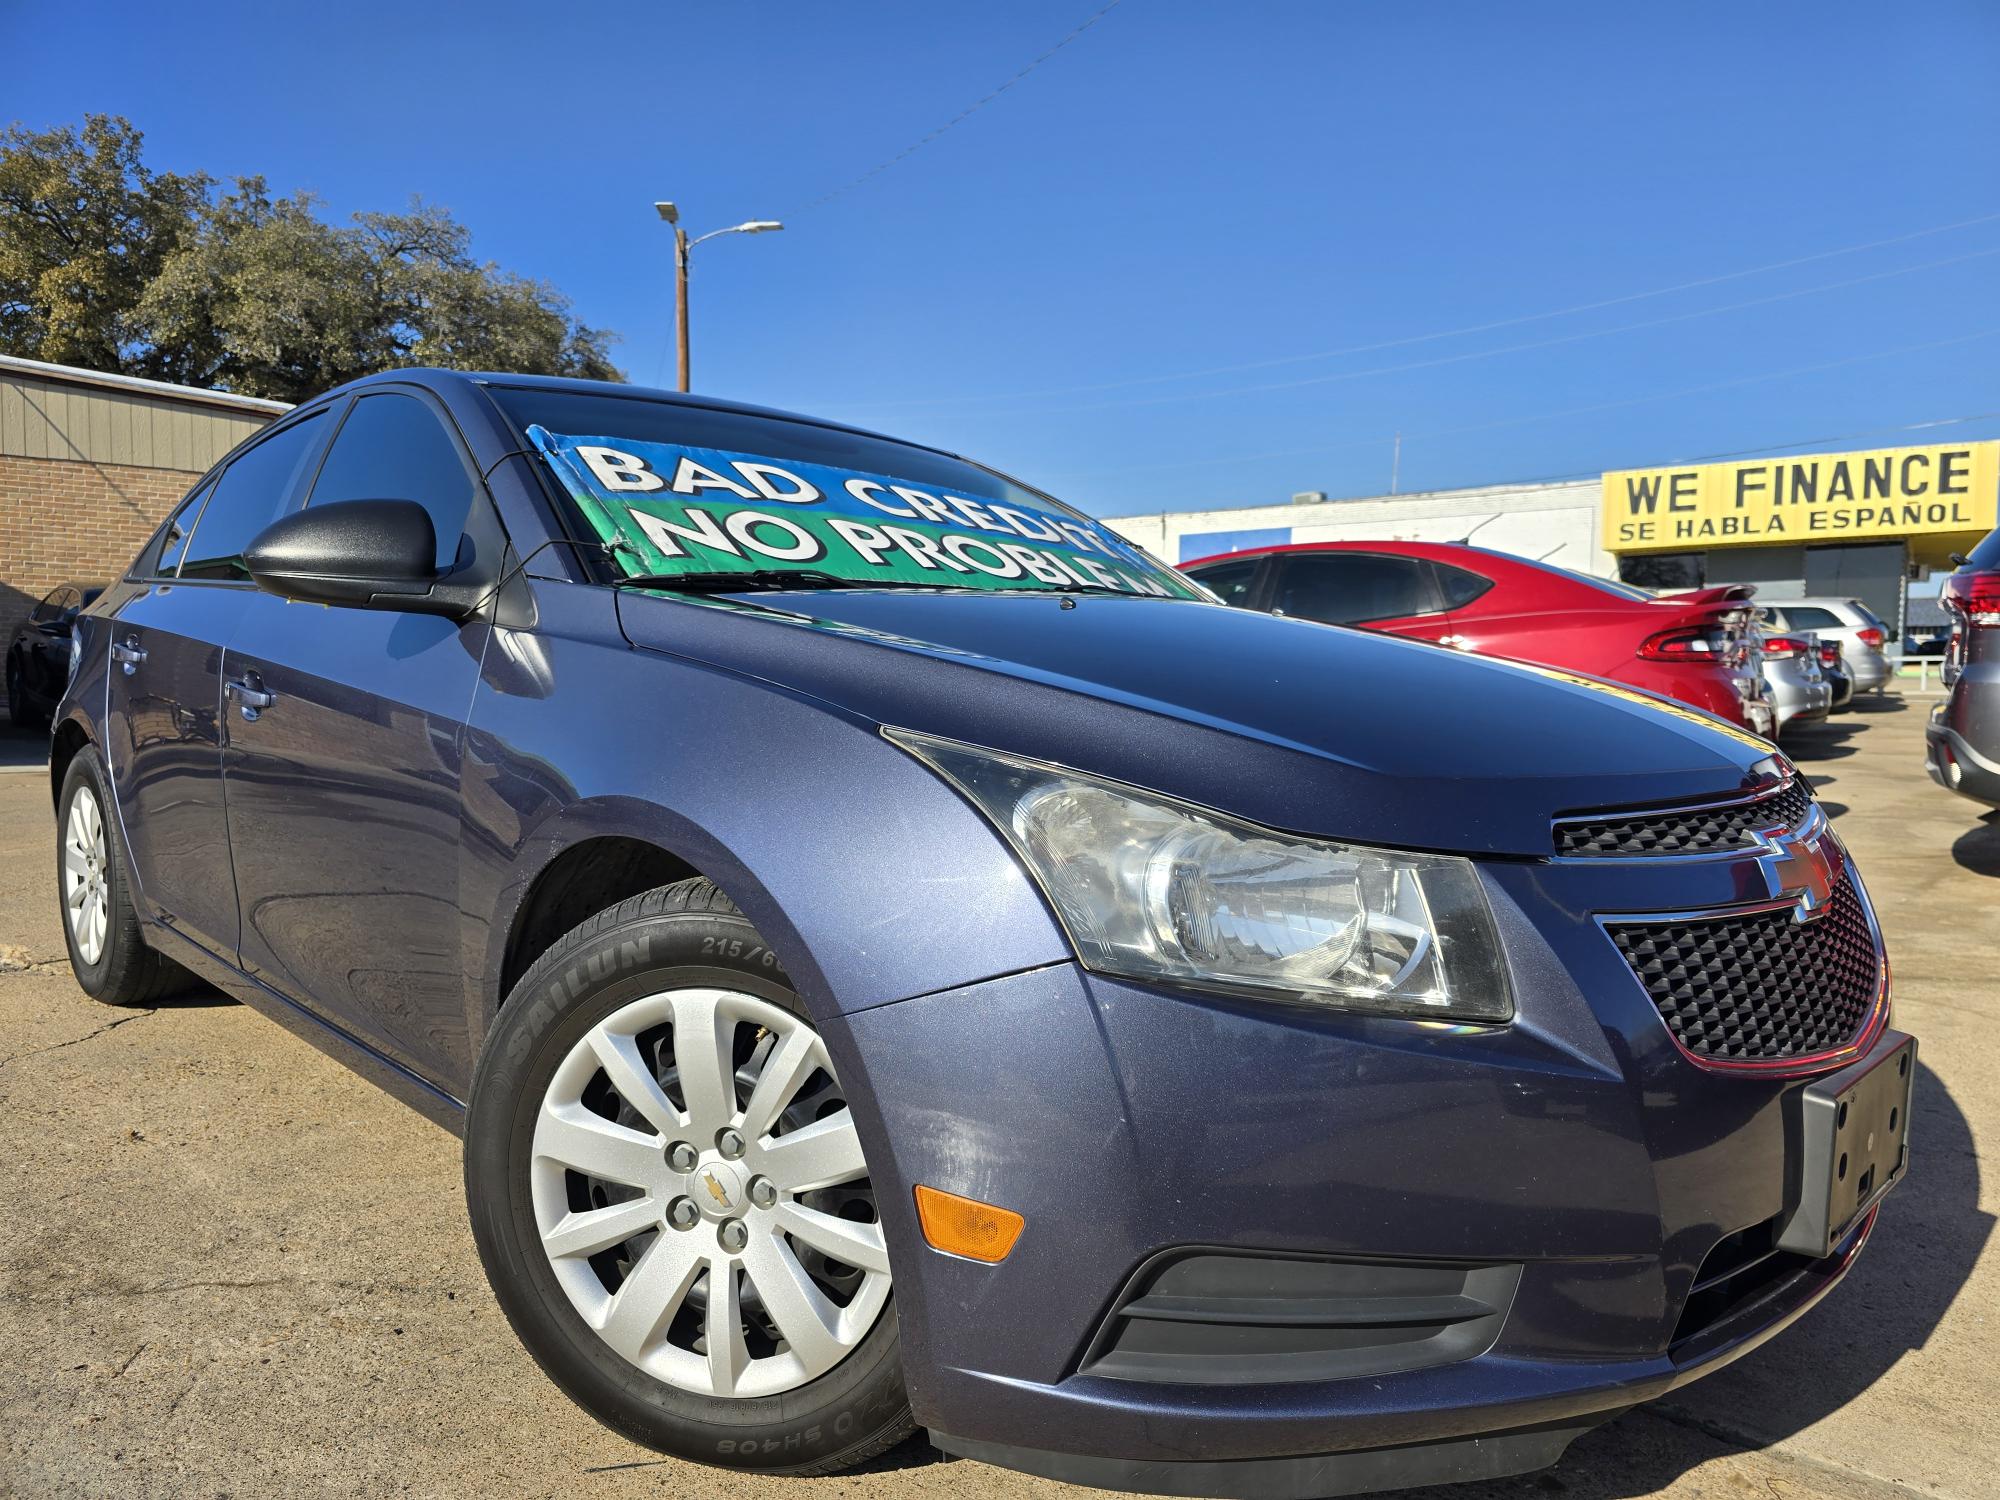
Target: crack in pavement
78,1041
1750,1442
408,1288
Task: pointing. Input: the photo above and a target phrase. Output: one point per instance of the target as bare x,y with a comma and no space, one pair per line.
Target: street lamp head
759,226
668,212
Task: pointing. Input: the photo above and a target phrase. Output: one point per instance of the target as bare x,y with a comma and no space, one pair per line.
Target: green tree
261,295
84,228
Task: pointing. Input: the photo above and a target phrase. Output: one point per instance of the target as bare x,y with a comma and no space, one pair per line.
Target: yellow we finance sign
1820,497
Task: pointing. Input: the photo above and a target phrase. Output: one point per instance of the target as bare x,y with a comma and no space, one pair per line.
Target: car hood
1314,728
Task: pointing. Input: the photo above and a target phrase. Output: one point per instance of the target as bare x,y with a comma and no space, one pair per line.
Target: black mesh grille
1762,986
1692,830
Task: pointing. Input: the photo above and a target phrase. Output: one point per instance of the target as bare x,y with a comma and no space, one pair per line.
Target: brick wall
63,520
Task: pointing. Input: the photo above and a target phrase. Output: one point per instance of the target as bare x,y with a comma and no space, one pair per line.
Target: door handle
252,699
128,653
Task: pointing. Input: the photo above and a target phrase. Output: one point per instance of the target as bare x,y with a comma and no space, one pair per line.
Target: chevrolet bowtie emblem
716,1190
1805,864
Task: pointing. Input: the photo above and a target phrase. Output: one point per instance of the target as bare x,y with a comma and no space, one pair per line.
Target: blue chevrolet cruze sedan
899,956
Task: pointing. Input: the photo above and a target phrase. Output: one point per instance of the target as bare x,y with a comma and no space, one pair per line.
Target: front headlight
1155,888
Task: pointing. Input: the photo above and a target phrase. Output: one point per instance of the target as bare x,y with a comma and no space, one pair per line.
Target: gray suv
1860,632
1962,740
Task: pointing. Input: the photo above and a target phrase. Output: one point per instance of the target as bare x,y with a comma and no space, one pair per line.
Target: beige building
1557,521
91,463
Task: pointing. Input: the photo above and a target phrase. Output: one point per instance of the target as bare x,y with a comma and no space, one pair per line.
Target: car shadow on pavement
23,749
1816,742
1874,703
199,997
1978,849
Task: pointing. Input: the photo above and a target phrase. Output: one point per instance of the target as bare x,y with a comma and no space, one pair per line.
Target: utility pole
682,245
681,301
1395,462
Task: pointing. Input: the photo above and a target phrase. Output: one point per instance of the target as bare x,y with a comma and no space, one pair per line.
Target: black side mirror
366,554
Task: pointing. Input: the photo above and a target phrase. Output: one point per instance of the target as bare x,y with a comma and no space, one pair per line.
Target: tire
124,970
682,962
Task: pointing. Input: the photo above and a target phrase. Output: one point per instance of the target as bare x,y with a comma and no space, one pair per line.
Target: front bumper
1506,1418
1577,1146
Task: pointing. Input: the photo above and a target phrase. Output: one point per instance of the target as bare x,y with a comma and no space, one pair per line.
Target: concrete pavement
228,1266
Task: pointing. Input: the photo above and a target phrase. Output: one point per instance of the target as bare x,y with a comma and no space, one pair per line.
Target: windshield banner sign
667,509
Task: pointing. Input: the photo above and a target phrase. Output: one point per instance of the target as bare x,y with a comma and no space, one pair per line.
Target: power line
1549,343
1549,416
971,109
1449,333
1706,458
1700,458
1838,437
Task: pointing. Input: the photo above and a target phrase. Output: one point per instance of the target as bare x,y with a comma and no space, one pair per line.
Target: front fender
870,879
82,708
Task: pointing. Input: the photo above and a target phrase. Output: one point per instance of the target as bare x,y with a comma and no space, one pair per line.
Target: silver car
1861,634
1798,690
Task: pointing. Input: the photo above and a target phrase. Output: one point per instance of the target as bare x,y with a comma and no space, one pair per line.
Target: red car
1690,647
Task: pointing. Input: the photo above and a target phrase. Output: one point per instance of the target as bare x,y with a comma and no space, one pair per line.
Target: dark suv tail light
1783,645
1829,653
1686,645
1871,637
1976,596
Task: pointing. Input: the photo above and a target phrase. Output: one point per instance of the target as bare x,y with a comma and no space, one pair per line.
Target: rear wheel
671,1200
107,950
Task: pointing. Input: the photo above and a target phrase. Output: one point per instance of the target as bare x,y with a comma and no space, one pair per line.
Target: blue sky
1130,277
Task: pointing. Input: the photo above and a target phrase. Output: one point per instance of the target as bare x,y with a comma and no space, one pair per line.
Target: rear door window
253,492
1235,583
1352,588
1812,617
391,447
1458,587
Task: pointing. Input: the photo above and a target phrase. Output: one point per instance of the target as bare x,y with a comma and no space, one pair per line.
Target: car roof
1364,544
441,380
1434,551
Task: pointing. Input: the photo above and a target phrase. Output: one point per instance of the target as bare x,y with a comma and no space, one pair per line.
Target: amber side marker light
965,1226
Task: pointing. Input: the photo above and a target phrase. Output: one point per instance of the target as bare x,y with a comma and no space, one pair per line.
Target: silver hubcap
86,895
699,1189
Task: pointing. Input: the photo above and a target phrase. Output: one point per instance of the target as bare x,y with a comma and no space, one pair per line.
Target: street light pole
682,245
681,301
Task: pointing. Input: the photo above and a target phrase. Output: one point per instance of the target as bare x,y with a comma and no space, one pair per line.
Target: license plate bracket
1853,1133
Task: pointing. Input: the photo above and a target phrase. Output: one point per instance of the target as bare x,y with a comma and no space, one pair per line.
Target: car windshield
685,490
1987,553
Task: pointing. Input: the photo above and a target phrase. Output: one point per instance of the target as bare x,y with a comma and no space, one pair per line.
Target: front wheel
670,1198
107,950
